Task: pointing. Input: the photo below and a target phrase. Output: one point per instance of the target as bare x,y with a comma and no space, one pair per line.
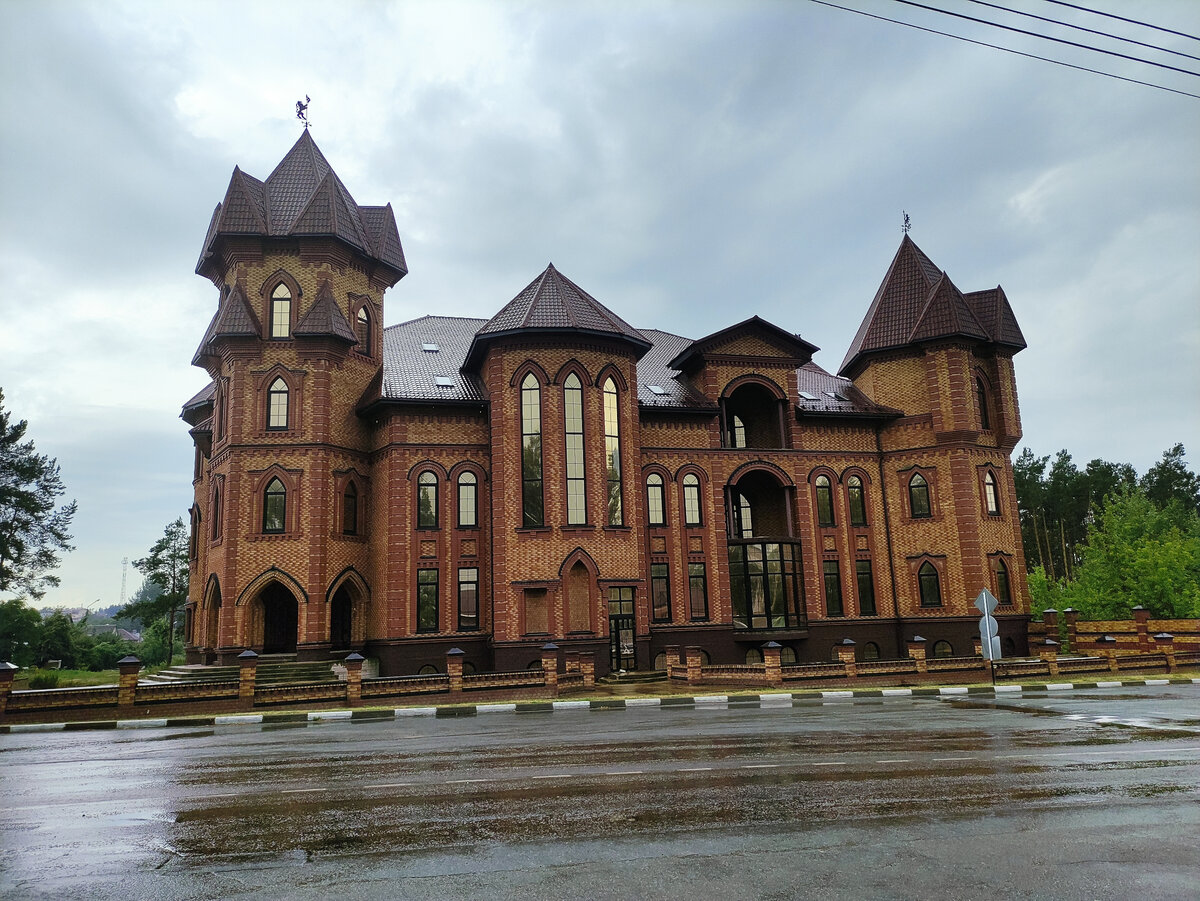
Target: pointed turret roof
554,303
918,302
234,319
324,319
304,196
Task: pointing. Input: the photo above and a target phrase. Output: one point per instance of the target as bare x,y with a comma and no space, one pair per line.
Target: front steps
273,669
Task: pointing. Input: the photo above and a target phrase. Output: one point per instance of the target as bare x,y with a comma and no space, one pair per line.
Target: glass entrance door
621,629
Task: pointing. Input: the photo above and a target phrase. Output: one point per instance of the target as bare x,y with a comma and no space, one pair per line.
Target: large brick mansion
556,474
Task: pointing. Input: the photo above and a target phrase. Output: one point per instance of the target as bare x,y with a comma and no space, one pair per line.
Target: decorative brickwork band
845,653
128,669
771,660
454,669
916,650
354,663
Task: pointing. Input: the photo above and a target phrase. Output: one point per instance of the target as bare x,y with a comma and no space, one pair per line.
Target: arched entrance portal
279,620
341,620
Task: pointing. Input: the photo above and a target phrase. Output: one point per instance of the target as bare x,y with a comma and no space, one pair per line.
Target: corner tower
281,557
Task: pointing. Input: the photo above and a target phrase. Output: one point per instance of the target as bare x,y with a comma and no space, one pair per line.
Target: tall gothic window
691,500
824,501
216,513
350,509
468,599
281,312
532,501
991,496
362,330
866,588
985,419
427,600
918,496
468,500
833,588
660,592
576,485
612,453
931,589
274,506
858,505
655,497
277,405
1003,591
427,500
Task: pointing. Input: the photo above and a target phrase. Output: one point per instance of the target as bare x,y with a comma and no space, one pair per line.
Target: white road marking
389,785
759,766
694,769
553,776
625,773
465,781
901,760
830,763
943,759
300,791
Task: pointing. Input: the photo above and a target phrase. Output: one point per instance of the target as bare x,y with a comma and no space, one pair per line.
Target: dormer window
281,312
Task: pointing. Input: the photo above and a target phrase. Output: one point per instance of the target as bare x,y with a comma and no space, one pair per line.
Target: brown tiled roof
655,369
410,373
918,302
194,408
790,343
304,196
554,303
234,319
834,396
324,319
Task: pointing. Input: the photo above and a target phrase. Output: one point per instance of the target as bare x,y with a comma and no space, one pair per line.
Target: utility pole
124,573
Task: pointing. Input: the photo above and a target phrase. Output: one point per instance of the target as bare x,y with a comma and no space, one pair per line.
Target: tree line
1102,540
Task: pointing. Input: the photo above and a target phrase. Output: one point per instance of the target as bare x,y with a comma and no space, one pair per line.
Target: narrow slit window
931,588
468,500
532,500
655,497
612,453
824,502
281,312
274,507
857,501
427,500
277,405
576,480
692,514
350,509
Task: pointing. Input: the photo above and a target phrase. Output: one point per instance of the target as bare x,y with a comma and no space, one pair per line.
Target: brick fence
1140,635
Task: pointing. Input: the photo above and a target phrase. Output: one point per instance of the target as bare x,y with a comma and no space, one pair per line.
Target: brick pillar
694,674
248,661
1164,642
1048,652
353,664
1107,645
454,669
571,662
587,666
671,652
128,668
1141,618
916,650
1072,616
550,668
7,672
845,654
774,668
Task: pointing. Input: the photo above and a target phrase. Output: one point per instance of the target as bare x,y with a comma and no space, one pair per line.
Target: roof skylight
808,396
430,348
656,389
443,382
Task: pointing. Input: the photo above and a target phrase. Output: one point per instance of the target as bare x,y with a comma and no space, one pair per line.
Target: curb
698,702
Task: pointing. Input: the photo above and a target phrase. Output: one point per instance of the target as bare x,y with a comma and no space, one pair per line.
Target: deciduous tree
167,568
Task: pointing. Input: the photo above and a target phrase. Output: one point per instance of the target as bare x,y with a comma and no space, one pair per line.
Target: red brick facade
340,505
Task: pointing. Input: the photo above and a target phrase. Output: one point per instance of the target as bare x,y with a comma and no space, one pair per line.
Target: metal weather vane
302,111
907,222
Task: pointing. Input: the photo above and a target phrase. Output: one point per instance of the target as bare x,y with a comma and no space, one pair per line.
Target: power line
1096,12
1104,34
1045,37
1044,59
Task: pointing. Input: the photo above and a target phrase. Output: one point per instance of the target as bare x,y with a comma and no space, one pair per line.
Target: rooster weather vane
302,110
906,226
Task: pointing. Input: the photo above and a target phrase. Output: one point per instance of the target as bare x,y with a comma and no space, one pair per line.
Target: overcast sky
689,164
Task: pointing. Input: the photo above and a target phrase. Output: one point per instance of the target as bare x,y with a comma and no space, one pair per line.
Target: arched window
985,419
350,509
943,649
468,500
753,656
739,440
579,599
277,405
281,312
918,496
745,517
427,500
991,497
787,656
692,515
870,651
612,453
362,331
824,501
274,507
655,500
833,588
532,503
576,483
931,589
216,512
858,504
1003,591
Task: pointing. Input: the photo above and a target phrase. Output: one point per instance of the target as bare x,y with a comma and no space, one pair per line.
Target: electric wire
1045,59
1103,34
1044,37
1096,12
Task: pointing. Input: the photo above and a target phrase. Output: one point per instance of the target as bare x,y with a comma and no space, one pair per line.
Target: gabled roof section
304,196
411,373
918,302
234,319
654,369
823,394
324,319
198,404
791,347
554,303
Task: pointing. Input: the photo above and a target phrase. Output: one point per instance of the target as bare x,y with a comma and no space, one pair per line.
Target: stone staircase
273,669
635,677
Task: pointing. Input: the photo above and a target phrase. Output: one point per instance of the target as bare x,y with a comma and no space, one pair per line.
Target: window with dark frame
1003,591
918,497
274,507
362,331
655,500
277,405
216,512
698,591
350,509
660,592
985,419
866,587
427,600
857,501
692,513
824,501
532,501
833,588
576,471
991,496
612,453
468,500
281,312
427,500
468,599
930,584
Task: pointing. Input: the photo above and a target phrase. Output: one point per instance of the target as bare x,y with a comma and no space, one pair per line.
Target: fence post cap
919,638
549,646
1049,610
247,655
128,659
453,652
357,658
1164,636
771,645
849,642
5,665
1050,642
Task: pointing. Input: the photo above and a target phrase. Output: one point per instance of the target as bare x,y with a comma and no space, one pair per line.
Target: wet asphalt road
1088,795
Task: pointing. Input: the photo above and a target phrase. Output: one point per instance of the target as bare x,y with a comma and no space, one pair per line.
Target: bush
44,679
